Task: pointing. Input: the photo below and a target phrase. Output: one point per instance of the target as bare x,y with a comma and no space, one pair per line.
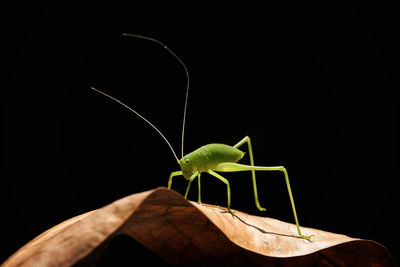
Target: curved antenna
140,116
187,76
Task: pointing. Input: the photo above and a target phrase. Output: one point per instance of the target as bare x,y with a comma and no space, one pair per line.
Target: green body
207,158
215,158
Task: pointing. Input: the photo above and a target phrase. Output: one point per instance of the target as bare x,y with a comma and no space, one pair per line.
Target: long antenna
137,113
187,76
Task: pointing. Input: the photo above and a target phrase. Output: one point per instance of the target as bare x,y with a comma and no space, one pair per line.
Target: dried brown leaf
184,232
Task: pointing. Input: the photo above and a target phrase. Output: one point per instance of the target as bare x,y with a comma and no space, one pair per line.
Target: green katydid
211,158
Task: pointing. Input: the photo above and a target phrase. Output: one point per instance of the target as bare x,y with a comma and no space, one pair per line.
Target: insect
211,158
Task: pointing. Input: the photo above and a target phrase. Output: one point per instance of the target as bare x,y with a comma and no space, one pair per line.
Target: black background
312,84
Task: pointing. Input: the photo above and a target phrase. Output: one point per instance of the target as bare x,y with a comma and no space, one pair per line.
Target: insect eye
186,160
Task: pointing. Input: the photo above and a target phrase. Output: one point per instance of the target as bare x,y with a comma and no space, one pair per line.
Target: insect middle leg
199,198
227,188
253,173
194,175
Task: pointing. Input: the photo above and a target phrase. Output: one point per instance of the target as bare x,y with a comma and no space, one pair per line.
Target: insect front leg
173,174
253,173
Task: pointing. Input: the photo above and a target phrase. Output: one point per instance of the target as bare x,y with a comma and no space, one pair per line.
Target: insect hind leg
235,167
253,173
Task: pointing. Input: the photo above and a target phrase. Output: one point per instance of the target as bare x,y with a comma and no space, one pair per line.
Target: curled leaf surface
183,232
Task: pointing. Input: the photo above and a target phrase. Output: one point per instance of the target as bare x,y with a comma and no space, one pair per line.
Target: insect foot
307,237
259,206
229,211
232,213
